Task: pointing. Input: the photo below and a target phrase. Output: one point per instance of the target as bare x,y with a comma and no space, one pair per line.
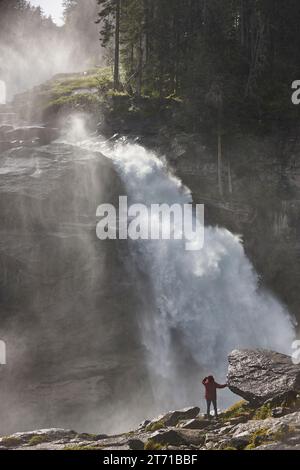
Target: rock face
260,375
72,293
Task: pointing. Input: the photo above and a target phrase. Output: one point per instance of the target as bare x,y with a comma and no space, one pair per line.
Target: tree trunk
220,182
229,179
146,14
140,66
242,26
220,159
117,46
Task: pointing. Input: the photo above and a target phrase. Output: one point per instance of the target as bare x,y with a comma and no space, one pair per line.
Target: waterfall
200,304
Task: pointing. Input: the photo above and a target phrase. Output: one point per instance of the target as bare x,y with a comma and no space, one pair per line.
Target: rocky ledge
268,419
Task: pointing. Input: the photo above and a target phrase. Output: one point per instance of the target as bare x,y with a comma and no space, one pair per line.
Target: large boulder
177,437
260,375
172,418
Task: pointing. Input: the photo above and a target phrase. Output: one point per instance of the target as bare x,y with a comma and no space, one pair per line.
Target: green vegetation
258,438
83,90
241,408
82,100
155,426
150,445
38,439
263,412
11,441
82,447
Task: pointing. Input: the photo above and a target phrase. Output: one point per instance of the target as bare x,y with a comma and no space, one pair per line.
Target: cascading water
201,304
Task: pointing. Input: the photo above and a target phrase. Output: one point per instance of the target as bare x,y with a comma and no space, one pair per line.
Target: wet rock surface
68,311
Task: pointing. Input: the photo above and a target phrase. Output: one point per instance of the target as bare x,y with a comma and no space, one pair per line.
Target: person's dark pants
214,402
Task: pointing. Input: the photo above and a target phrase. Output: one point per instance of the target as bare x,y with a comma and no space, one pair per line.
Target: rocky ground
269,420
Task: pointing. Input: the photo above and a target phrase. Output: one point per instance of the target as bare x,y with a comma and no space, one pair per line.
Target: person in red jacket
211,393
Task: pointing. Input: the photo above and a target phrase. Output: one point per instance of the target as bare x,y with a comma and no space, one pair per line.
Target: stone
260,375
196,424
176,437
172,418
170,437
135,444
280,411
144,424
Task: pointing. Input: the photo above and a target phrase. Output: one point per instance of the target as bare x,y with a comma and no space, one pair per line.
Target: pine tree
110,18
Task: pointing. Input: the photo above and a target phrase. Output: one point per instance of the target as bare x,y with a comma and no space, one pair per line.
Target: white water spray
203,303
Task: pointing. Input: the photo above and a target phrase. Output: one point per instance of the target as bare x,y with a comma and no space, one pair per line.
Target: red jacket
211,388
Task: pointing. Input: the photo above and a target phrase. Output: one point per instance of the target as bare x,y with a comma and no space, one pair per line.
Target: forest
237,57
230,62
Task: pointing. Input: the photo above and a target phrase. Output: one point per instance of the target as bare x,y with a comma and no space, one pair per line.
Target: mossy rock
11,441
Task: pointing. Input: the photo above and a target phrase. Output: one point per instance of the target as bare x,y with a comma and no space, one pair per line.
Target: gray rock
136,444
176,437
261,375
278,446
169,437
280,411
172,418
238,443
238,420
144,424
196,424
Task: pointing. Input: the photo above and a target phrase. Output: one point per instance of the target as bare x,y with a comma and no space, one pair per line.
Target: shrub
238,409
35,440
263,412
151,445
257,438
155,426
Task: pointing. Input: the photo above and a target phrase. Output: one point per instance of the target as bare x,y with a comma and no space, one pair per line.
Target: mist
33,48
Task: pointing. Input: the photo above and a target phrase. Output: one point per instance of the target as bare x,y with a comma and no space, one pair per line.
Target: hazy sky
51,7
